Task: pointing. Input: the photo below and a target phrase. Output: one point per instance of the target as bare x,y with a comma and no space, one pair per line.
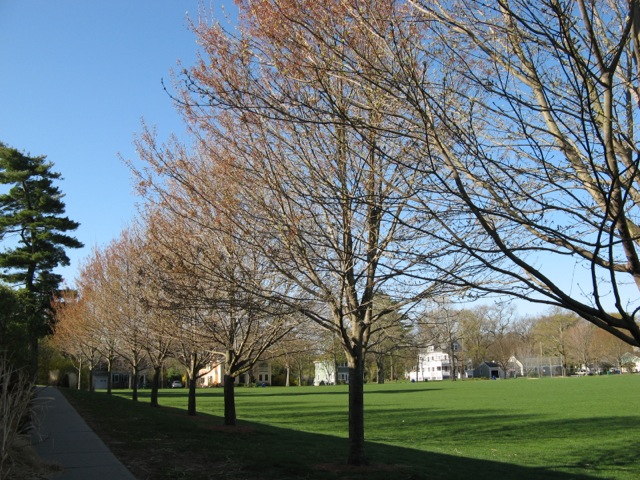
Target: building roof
491,364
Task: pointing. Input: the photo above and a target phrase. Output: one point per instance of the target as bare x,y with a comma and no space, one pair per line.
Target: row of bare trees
150,295
348,149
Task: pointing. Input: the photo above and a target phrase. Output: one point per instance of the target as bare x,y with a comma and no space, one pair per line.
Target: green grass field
561,428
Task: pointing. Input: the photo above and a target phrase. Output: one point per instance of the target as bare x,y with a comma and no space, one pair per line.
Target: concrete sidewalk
62,437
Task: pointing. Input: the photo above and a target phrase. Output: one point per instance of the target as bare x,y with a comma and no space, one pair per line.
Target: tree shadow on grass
164,443
577,442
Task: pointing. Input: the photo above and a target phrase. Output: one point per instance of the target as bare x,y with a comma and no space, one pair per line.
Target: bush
16,393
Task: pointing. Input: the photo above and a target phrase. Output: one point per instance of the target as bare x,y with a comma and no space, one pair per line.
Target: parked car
176,384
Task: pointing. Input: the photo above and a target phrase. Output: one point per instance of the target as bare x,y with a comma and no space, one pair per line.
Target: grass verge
565,428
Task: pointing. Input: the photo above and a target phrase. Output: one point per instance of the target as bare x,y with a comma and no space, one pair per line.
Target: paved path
64,438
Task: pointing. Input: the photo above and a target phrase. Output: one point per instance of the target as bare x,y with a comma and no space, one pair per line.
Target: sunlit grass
583,427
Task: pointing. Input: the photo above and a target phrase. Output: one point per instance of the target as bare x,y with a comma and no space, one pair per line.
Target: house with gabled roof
330,373
433,363
213,375
489,370
629,363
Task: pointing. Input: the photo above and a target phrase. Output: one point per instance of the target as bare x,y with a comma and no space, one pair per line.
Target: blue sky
77,78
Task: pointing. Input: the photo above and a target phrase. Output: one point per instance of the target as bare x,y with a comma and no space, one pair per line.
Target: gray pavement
62,437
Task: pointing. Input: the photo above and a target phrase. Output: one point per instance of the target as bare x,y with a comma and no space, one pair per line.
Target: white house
325,373
211,376
629,363
433,364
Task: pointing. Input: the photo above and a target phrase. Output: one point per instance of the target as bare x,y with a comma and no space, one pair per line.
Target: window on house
266,377
260,377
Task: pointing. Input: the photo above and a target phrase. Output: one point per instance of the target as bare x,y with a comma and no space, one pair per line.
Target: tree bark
191,378
380,368
229,400
92,387
155,386
191,406
109,376
79,385
134,384
356,411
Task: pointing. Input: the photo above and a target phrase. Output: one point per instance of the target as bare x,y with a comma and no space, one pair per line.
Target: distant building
119,379
213,375
326,373
489,370
433,363
262,373
630,363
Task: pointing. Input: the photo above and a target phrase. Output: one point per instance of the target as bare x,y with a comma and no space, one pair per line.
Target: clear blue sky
77,78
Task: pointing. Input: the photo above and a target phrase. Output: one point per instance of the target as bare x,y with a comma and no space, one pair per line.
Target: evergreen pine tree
33,231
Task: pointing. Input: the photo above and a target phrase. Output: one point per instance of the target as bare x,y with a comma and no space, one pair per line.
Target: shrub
16,391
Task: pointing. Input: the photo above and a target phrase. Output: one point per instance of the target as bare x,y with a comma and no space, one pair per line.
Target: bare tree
611,351
307,144
475,332
99,308
73,334
503,335
551,331
523,114
296,353
441,327
177,297
582,344
391,335
123,291
226,288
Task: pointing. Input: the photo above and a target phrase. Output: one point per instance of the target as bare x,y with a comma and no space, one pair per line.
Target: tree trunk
380,368
287,383
79,386
134,384
155,386
109,377
191,378
229,400
92,387
356,410
191,406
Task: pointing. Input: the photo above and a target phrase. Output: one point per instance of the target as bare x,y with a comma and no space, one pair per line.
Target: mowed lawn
564,428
